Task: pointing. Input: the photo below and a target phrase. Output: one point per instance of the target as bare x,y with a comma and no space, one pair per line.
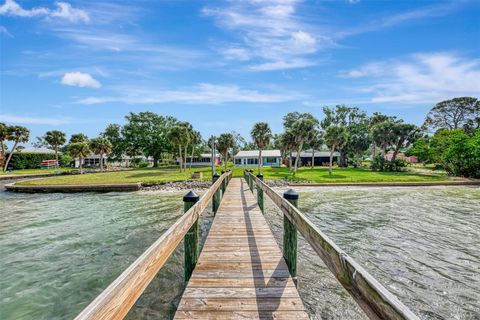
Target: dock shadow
258,274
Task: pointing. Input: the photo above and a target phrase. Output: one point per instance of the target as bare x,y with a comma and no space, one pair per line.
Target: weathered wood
250,315
241,268
117,299
372,297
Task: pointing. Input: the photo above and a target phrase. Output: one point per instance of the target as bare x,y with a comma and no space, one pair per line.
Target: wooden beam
118,298
375,300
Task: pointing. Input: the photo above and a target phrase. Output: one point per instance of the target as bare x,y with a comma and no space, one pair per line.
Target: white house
204,159
320,157
93,160
246,158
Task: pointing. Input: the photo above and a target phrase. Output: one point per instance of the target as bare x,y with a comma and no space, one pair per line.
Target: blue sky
224,65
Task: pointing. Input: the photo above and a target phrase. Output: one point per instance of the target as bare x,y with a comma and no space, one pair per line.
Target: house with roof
249,158
321,158
401,156
204,160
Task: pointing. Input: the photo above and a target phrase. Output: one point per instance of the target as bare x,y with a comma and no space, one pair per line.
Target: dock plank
240,273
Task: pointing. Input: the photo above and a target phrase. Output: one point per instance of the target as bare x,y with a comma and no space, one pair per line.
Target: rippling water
59,251
422,243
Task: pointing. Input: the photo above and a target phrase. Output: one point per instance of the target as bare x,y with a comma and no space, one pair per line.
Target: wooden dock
241,273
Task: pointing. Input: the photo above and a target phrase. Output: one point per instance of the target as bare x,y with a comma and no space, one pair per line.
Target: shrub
65,160
461,153
143,164
379,163
29,160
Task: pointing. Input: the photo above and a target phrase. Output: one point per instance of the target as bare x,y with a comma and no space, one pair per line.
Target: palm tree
302,130
55,139
178,135
101,146
188,137
316,143
78,137
225,142
335,138
18,134
79,150
261,135
196,139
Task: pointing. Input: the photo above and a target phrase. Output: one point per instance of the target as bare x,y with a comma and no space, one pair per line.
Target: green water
421,243
59,251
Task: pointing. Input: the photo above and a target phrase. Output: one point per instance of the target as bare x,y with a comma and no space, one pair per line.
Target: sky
77,66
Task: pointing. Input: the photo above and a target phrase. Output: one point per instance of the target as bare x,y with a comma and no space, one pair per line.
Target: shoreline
200,185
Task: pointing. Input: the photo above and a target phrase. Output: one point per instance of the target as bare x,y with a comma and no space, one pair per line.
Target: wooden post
217,195
260,193
290,237
190,241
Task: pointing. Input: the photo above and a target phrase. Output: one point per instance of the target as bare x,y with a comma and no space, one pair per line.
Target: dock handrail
118,298
375,300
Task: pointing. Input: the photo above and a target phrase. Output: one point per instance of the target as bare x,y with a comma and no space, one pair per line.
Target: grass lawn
318,175
34,171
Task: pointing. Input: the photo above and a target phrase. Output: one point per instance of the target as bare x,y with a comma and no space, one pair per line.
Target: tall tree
382,135
225,142
316,142
54,139
403,136
353,119
196,140
17,134
79,150
78,137
335,137
101,146
113,133
3,138
188,139
178,135
301,126
261,135
376,118
454,114
146,134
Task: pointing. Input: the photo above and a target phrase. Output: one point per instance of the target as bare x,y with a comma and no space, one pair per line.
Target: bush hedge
26,160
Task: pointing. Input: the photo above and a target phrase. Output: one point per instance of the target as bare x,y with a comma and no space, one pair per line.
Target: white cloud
420,78
63,11
80,79
270,33
33,120
203,93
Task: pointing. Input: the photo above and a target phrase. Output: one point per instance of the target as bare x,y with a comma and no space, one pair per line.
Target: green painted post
224,183
260,193
290,237
251,180
217,196
190,241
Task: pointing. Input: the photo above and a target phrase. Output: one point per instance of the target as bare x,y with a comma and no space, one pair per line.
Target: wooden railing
376,301
118,298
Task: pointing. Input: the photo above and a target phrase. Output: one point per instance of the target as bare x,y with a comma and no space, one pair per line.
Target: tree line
449,136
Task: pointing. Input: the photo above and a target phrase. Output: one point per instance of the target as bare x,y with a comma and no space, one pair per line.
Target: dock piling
260,193
191,238
290,236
